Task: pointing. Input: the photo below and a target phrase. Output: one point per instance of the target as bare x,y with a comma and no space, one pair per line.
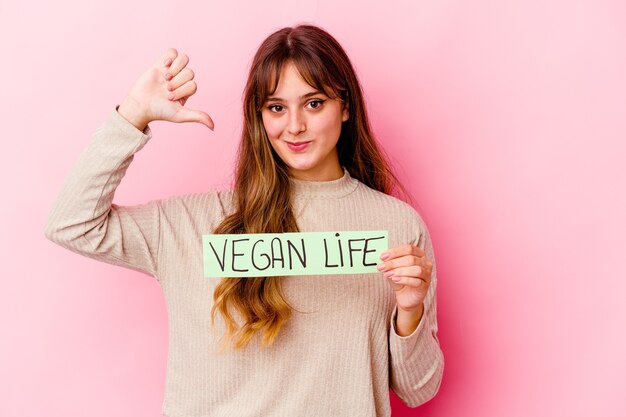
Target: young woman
300,345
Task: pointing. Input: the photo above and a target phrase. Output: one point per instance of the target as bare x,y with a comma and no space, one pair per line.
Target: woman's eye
275,108
316,104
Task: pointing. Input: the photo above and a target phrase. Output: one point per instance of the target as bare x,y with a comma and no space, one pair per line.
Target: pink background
505,119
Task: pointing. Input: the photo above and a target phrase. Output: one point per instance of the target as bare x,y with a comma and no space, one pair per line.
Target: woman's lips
298,147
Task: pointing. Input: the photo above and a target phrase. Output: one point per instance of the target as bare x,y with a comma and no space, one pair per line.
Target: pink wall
506,120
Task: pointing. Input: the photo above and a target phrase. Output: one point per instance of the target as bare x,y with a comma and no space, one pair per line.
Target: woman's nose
296,123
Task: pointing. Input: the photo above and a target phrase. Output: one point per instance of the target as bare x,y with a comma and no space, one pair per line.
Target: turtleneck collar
333,188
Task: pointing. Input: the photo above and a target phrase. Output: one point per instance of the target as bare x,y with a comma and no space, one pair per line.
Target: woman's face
303,126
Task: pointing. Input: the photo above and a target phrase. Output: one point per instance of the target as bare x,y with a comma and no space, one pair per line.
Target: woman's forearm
407,321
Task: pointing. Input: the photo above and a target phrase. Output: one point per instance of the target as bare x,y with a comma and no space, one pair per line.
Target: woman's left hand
408,270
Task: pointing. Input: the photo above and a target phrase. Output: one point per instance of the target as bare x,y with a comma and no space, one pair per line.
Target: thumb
189,115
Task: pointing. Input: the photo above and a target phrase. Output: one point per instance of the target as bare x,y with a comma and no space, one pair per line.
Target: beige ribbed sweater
337,356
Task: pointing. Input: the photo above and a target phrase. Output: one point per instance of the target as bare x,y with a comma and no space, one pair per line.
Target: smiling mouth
298,146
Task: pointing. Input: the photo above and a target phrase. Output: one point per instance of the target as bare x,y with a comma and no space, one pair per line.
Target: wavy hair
261,194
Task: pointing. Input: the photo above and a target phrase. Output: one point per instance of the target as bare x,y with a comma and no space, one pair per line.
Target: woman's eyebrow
307,95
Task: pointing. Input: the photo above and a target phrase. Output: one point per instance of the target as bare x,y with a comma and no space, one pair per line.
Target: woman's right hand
160,93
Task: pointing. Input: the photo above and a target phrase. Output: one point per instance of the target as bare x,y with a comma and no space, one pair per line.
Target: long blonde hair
261,194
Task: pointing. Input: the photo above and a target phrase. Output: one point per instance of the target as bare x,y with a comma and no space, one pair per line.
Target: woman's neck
328,173
338,187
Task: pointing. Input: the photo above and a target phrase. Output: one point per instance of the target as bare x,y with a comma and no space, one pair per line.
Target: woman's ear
346,112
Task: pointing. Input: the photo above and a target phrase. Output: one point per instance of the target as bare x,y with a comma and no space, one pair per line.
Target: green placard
306,253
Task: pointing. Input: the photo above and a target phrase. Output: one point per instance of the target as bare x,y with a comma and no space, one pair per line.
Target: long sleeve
84,219
416,360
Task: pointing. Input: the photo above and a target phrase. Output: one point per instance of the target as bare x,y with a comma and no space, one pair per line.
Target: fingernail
381,266
384,256
171,96
168,61
389,274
